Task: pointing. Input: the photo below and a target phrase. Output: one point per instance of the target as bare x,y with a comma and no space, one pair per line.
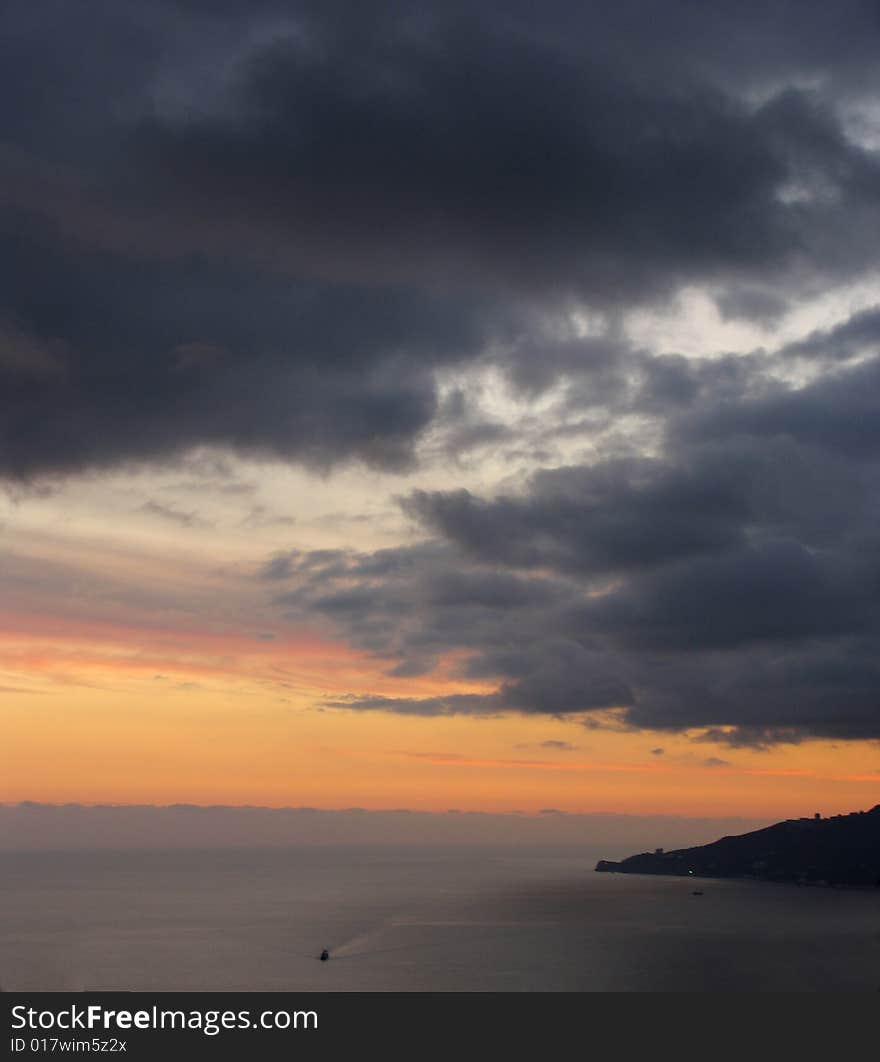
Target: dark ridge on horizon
307,808
35,826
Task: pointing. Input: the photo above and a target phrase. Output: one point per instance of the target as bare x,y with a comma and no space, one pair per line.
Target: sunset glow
173,682
440,409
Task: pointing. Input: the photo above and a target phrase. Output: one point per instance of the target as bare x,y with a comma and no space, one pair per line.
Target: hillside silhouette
840,850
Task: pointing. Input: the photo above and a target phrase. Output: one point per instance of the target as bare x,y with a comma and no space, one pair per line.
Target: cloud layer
275,230
729,584
265,228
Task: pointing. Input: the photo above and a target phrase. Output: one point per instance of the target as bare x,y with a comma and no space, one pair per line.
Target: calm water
415,919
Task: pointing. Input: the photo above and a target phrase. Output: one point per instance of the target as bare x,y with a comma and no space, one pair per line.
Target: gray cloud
319,375
264,228
175,516
280,566
455,704
619,515
837,414
859,334
270,229
728,585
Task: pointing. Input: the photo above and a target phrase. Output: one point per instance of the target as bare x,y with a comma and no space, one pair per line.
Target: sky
441,406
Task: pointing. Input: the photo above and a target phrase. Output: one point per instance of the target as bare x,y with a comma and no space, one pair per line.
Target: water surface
415,919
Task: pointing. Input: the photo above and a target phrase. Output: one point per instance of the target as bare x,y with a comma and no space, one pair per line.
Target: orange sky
165,709
340,393
141,665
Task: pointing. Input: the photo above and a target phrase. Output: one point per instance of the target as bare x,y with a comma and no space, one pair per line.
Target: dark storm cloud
490,155
469,153
155,357
794,657
266,227
455,704
859,334
744,462
837,415
263,226
620,515
412,605
729,586
778,592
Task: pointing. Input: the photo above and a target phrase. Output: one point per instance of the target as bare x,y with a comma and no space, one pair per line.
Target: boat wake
362,944
366,945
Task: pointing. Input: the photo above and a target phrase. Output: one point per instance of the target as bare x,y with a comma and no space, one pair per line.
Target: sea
416,919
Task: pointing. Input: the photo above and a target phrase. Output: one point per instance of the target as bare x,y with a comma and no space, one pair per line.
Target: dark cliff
842,850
